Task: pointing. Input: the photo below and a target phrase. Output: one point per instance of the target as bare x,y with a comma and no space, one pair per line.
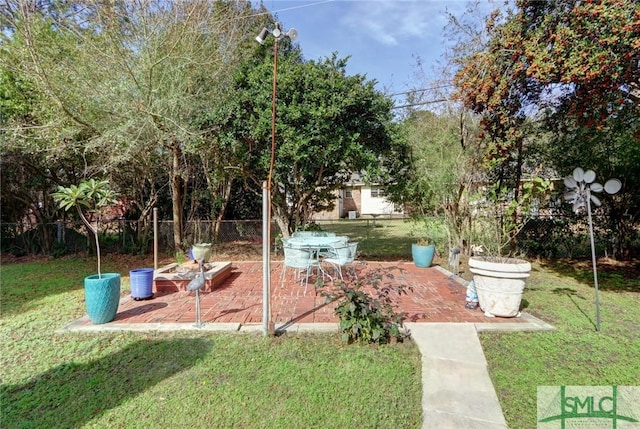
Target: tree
571,63
129,78
611,150
444,174
29,168
329,125
587,50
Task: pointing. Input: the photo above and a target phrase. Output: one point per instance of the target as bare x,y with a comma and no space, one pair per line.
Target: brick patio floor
437,296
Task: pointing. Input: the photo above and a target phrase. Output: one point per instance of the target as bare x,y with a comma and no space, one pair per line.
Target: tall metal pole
155,238
267,318
268,323
266,270
593,258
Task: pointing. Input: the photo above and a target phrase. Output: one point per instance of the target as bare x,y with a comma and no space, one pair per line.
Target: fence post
59,231
155,238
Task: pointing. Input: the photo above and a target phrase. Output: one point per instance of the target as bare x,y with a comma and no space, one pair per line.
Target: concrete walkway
456,389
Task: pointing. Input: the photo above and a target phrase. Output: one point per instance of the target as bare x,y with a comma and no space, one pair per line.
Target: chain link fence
123,236
131,237
546,237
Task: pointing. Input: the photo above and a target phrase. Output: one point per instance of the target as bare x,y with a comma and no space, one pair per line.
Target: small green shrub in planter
368,316
102,291
90,195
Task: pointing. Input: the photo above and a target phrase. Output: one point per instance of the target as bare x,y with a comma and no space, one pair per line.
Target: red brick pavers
436,297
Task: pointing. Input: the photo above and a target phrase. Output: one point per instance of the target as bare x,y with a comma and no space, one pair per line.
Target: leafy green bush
431,230
366,310
311,226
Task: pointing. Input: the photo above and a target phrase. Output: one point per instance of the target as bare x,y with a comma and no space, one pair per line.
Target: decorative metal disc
570,182
570,196
578,174
612,186
596,187
589,176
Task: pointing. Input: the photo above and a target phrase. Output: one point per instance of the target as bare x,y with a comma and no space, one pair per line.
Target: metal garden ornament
581,185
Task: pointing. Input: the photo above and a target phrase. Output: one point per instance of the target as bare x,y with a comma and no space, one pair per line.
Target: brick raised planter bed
175,278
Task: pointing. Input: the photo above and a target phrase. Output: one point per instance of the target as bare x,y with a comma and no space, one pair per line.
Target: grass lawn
575,353
175,380
388,240
242,380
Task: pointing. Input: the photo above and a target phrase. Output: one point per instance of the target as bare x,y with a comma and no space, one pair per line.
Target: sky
384,38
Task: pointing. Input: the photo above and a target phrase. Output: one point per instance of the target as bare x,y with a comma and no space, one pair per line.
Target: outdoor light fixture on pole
580,185
267,322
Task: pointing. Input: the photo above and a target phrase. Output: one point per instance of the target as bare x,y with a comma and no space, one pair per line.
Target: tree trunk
177,191
145,222
515,216
217,187
218,218
281,221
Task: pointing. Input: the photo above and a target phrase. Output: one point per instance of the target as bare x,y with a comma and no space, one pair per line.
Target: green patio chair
340,257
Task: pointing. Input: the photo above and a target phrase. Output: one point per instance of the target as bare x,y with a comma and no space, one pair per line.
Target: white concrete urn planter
499,283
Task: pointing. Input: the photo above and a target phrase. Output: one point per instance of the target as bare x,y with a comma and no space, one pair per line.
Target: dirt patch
240,251
627,269
8,258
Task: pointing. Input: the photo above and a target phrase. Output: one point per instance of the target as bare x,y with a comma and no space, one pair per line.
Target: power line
447,85
273,12
302,6
441,100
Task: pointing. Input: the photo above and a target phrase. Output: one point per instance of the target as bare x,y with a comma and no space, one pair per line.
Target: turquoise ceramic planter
423,255
102,297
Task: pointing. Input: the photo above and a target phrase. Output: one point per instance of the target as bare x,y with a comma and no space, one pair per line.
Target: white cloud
394,22
382,37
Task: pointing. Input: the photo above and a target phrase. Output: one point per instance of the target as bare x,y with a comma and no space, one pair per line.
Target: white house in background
357,199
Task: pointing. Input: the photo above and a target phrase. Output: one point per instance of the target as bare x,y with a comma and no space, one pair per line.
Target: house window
347,193
377,192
